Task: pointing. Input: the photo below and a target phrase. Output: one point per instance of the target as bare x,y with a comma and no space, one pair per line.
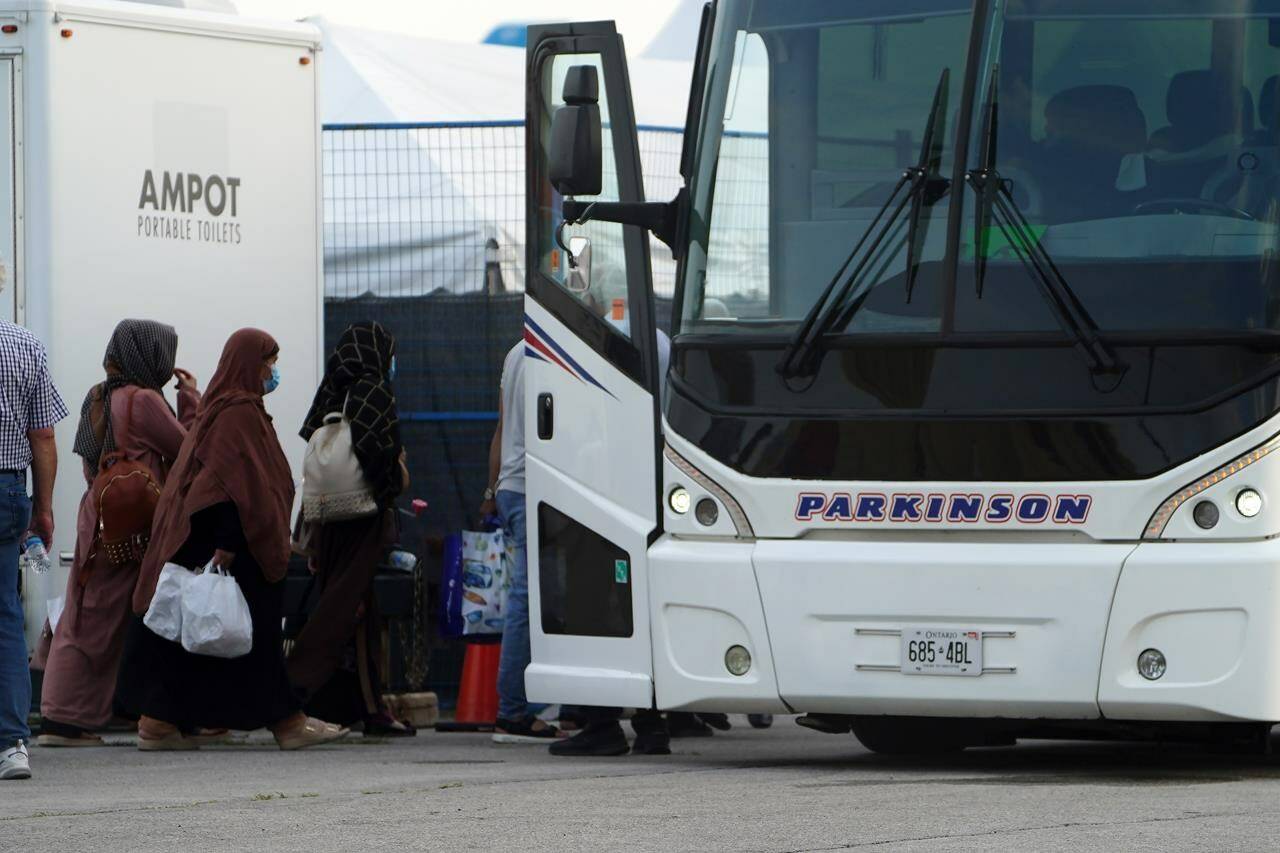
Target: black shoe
719,722
652,743
598,739
760,721
687,725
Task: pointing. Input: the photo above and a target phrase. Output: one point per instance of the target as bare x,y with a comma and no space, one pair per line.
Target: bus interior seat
1208,117
1088,132
1201,108
1268,132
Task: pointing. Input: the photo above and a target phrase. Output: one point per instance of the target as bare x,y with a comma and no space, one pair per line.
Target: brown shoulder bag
125,494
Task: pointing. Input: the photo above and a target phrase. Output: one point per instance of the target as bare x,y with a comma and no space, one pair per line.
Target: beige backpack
334,487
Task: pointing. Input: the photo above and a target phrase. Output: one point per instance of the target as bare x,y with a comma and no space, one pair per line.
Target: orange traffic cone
478,693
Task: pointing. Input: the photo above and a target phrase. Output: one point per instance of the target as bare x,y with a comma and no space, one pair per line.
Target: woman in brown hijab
227,500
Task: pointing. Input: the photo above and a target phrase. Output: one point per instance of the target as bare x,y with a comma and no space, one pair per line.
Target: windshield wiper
924,187
996,203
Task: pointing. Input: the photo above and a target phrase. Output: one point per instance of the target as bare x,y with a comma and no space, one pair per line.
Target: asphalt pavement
784,789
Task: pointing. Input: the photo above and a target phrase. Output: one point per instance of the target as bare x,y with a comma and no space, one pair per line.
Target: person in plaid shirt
29,408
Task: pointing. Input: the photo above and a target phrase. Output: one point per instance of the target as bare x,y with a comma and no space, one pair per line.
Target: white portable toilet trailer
157,163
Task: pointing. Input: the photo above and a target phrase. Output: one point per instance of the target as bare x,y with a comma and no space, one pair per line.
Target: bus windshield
1136,141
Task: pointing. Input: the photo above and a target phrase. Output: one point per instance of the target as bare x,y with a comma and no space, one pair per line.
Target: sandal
159,736
385,725
309,732
210,737
78,740
56,734
524,731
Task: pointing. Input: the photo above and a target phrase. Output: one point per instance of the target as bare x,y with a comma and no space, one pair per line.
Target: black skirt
162,680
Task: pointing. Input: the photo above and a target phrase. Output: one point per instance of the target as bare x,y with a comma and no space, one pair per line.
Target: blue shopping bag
451,587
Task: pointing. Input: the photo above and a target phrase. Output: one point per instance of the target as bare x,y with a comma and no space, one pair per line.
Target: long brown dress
84,656
346,556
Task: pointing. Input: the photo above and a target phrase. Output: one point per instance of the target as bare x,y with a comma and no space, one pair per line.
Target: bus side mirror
578,276
576,166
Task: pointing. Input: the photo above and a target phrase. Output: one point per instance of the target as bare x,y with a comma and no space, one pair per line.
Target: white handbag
334,487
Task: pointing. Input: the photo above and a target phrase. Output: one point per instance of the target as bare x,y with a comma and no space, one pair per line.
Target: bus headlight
737,660
1152,665
741,525
679,500
1205,515
1155,527
707,512
1248,503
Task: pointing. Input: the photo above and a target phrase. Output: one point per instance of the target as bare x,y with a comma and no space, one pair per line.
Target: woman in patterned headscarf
125,414
334,661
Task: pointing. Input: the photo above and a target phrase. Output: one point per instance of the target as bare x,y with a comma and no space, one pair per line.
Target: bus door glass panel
605,294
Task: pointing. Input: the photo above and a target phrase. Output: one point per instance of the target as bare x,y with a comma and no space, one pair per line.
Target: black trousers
643,722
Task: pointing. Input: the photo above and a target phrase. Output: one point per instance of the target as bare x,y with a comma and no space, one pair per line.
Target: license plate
941,651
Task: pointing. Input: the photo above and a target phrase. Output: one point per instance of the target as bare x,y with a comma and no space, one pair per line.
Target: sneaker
14,763
602,739
524,731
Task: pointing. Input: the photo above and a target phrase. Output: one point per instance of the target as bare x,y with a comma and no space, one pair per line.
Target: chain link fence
424,232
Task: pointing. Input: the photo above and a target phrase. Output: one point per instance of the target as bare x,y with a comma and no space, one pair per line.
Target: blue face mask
391,373
272,382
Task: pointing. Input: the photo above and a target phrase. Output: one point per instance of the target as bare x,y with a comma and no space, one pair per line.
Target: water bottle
35,555
402,561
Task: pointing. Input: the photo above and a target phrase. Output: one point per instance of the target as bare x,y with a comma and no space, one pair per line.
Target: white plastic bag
215,616
164,616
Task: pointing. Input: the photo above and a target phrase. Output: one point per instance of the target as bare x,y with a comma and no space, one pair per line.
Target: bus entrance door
591,433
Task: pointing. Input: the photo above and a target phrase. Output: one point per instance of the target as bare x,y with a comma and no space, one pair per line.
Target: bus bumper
1213,610
1063,625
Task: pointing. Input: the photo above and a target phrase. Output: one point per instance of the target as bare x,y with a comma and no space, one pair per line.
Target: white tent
410,211
371,76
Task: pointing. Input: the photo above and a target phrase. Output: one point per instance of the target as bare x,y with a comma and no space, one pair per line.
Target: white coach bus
968,429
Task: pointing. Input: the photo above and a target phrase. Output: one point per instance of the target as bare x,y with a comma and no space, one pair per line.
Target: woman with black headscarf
334,661
125,415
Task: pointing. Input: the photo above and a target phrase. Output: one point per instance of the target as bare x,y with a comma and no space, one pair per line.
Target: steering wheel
1191,205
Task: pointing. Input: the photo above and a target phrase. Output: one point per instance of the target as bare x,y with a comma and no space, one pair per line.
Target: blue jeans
512,702
15,677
